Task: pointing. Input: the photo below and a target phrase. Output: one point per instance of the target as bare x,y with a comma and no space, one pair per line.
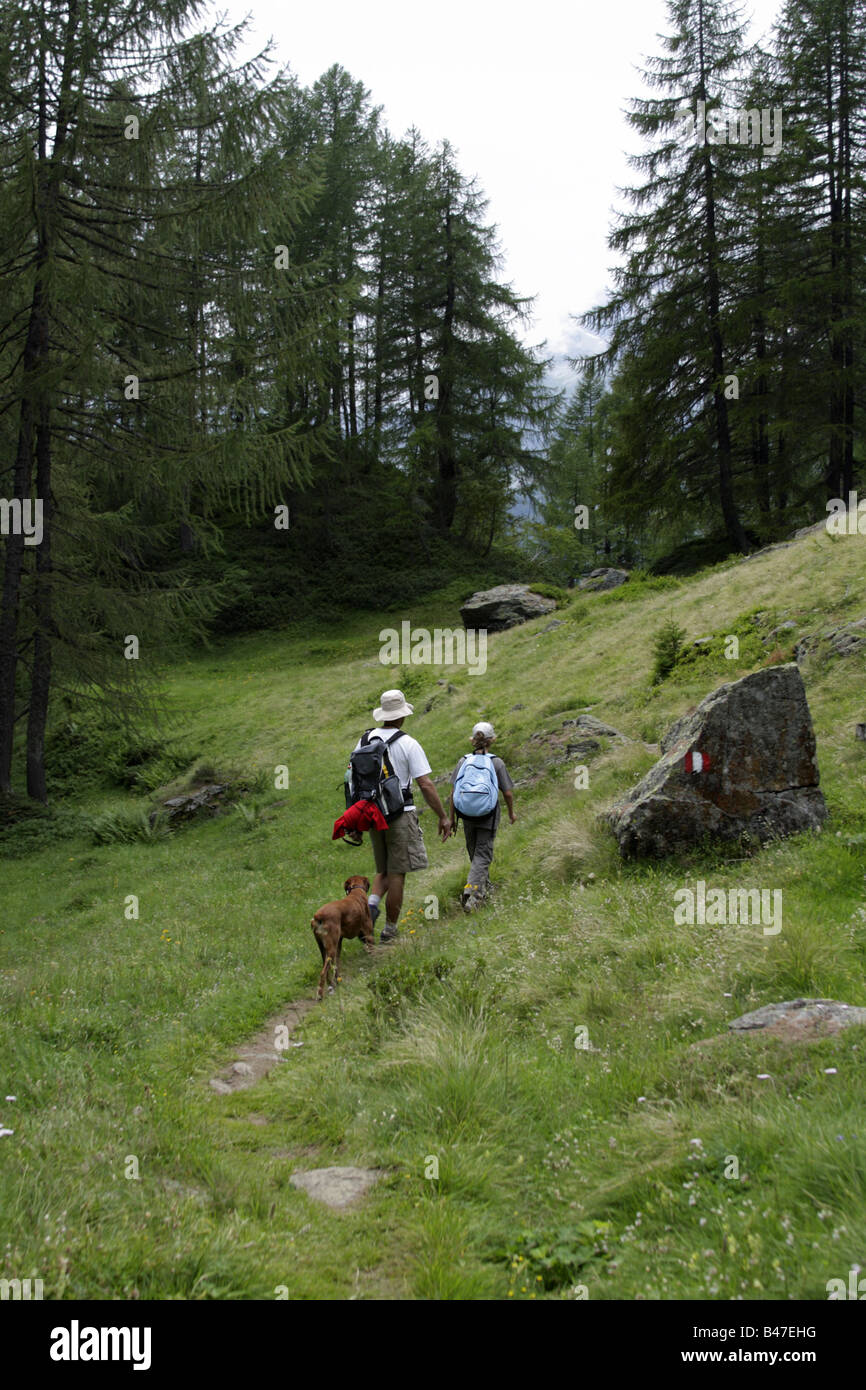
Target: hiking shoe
389,934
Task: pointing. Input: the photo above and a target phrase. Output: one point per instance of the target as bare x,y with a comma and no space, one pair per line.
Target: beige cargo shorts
399,849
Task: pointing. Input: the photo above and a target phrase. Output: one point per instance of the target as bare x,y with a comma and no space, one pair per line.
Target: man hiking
400,849
476,782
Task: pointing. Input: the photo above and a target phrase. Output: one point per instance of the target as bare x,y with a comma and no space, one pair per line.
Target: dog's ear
366,883
347,885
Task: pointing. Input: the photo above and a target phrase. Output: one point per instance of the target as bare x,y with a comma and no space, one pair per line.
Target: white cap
485,729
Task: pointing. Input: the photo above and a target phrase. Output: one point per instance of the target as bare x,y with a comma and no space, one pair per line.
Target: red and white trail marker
697,762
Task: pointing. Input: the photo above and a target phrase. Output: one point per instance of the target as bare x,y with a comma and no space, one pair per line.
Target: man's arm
431,796
509,801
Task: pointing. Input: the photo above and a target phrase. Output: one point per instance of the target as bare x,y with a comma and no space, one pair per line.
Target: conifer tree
124,268
822,71
669,313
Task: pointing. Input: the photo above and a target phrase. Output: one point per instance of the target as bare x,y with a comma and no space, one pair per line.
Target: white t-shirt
407,758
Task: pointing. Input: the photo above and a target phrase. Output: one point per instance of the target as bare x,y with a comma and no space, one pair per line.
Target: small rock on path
336,1187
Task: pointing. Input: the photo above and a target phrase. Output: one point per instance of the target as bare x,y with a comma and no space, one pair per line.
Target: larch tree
822,68
670,307
132,246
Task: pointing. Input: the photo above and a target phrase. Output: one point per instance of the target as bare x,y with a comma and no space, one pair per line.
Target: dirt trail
263,1051
266,1048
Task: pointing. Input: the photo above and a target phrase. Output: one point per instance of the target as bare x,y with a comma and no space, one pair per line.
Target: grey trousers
479,843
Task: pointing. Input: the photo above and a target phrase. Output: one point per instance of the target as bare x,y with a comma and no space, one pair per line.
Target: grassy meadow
663,1159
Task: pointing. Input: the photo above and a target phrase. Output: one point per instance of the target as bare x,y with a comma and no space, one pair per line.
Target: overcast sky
531,94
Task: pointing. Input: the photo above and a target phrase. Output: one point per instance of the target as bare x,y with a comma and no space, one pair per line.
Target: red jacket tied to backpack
364,815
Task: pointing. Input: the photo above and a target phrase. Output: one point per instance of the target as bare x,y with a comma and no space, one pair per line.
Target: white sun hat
485,729
394,706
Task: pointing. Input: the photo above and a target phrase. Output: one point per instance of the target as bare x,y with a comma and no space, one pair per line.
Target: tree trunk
446,482
353,385
9,607
733,526
49,175
40,679
377,355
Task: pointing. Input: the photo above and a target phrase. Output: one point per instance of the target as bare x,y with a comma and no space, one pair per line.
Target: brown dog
333,923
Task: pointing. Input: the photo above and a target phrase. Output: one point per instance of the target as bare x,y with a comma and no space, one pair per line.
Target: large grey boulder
800,1018
601,580
503,607
742,762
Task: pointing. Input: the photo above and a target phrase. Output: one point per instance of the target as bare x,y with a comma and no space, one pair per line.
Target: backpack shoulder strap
377,734
387,750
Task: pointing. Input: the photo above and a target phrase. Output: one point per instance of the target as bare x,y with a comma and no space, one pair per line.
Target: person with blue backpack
476,782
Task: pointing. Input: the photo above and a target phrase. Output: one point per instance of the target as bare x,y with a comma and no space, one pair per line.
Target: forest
258,361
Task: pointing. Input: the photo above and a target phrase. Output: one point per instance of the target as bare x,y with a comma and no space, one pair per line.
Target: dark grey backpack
371,776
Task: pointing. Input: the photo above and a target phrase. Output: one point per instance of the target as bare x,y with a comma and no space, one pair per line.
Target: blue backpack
476,790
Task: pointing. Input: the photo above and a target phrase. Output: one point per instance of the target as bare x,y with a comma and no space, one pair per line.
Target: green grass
561,1169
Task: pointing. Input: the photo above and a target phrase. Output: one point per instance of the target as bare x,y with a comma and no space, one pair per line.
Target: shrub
641,583
81,752
555,1259
778,656
560,596
403,982
125,827
26,826
667,645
